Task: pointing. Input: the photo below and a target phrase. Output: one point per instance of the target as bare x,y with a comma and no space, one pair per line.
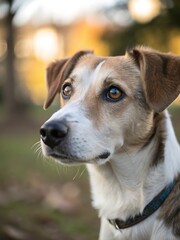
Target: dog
113,118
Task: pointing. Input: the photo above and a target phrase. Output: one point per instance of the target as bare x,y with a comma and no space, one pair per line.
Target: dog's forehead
103,66
92,61
93,70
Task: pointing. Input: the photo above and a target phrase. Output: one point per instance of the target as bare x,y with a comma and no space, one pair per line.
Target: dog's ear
58,72
160,75
53,77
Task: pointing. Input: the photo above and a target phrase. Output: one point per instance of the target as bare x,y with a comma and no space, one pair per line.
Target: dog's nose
53,132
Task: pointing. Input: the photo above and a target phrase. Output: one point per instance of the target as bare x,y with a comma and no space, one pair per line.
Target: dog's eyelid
72,78
111,84
69,80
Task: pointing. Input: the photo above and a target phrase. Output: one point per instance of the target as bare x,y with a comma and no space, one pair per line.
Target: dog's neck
124,186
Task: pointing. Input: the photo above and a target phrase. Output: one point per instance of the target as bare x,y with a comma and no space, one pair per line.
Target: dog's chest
110,198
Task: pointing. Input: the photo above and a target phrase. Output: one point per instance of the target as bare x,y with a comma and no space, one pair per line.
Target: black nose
53,132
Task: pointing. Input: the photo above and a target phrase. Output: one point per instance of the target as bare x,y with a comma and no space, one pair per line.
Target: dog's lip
64,158
68,158
61,156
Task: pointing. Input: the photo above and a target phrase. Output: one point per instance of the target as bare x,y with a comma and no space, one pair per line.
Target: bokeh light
47,44
143,11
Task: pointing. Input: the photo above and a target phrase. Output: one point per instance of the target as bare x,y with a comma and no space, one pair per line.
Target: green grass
37,221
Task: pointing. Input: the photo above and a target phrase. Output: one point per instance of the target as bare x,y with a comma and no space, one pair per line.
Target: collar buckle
114,223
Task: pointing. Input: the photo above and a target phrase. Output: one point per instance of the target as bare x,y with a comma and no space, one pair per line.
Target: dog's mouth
70,159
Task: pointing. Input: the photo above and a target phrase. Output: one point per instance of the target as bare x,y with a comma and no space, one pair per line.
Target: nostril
43,132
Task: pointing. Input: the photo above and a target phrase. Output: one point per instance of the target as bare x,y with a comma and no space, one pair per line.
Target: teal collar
148,210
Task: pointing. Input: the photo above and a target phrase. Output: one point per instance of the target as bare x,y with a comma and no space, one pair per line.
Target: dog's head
106,102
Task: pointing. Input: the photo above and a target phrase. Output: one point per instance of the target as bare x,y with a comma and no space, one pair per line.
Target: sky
62,11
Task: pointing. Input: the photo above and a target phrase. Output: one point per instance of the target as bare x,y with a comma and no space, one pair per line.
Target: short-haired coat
113,118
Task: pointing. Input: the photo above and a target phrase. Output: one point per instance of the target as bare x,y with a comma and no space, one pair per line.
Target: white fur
172,151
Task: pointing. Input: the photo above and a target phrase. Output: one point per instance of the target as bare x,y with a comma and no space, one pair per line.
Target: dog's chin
74,160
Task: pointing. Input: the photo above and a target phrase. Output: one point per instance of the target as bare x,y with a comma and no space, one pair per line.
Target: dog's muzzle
53,132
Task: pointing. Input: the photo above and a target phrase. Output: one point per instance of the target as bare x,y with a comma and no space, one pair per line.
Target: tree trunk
10,100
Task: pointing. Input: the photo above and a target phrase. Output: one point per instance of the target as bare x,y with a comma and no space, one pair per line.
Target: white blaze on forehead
94,75
85,77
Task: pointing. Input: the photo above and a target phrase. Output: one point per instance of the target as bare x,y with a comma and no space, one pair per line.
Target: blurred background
38,198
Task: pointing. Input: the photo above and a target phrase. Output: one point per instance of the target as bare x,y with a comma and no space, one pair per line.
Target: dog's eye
66,90
114,94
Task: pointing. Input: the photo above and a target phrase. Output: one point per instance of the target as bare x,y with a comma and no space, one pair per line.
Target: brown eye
66,90
114,94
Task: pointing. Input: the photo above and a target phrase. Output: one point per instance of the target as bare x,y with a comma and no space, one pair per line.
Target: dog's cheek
138,126
112,135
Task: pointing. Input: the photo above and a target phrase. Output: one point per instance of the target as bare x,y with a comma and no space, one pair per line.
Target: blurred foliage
156,33
23,65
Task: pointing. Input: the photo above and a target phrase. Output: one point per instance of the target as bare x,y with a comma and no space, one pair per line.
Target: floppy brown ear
59,71
160,74
53,75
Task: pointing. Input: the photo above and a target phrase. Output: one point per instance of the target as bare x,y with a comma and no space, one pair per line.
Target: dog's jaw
68,158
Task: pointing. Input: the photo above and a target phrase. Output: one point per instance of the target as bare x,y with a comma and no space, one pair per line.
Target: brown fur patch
170,211
93,105
52,80
160,76
159,131
57,72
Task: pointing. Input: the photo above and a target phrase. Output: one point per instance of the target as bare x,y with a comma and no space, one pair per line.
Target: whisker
77,172
35,145
39,154
37,149
83,171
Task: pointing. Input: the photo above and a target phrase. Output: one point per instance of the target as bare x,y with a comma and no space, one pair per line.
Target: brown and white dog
113,119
